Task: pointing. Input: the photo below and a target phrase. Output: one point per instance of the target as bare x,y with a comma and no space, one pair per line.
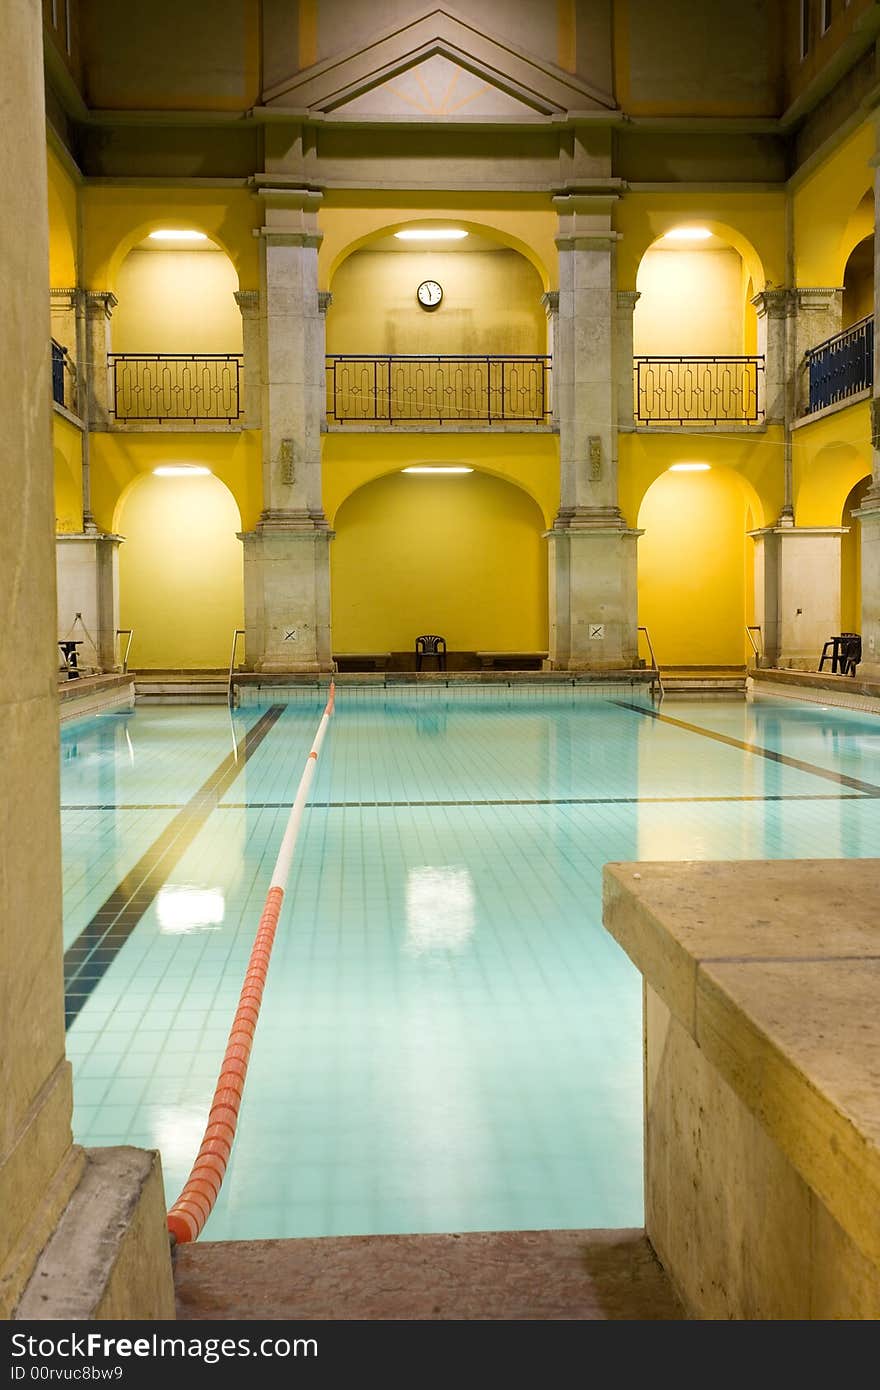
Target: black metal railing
176,386
841,366
438,389
704,390
63,377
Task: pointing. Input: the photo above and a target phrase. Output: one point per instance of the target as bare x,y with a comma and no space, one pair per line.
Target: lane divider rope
187,1216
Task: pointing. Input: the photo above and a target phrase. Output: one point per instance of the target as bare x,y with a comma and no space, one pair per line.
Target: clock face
429,294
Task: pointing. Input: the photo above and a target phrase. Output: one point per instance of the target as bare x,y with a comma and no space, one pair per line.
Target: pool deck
762,1064
504,1276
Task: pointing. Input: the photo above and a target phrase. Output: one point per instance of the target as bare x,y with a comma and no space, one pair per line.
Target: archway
176,296
858,282
180,570
695,286
462,555
696,585
851,560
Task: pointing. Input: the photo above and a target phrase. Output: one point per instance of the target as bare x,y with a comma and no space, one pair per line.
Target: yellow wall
491,304
462,556
756,458
526,222
753,223
828,458
180,572
858,283
176,301
828,220
851,562
118,458
531,461
693,562
63,235
691,303
118,216
67,442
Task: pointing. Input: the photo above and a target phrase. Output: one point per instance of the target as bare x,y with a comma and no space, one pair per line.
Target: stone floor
507,1275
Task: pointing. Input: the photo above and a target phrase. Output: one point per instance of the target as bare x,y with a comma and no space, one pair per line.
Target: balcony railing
841,366
176,386
698,390
438,389
63,377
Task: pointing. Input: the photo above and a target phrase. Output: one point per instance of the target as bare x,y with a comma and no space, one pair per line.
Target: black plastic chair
850,653
431,645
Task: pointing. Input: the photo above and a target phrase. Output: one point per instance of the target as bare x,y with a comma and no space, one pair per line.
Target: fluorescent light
431,468
431,234
167,234
690,467
687,234
180,470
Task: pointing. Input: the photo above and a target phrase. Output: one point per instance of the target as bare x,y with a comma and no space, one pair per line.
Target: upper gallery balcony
841,368
365,390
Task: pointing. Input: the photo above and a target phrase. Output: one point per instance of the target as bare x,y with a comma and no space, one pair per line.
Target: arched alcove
696,586
176,297
462,555
858,282
851,560
180,571
695,295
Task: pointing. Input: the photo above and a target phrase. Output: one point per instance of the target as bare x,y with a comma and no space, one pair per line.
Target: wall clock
429,294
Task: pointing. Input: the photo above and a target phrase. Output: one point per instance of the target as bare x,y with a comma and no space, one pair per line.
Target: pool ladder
656,678
230,688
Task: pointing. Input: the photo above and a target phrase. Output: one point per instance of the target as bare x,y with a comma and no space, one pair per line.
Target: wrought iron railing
704,390
176,386
841,366
438,389
63,377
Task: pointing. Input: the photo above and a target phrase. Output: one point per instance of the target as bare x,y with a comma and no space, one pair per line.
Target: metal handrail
393,387
654,667
704,390
750,628
121,632
239,632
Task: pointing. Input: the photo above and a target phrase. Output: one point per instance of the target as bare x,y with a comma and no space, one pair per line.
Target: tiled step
498,1275
180,687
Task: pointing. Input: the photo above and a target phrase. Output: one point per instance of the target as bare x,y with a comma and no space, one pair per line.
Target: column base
593,597
869,520
797,591
287,595
87,574
109,1256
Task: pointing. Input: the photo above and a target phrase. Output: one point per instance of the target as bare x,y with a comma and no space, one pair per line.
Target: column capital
64,299
99,302
248,302
775,303
627,299
325,299
816,296
550,301
585,221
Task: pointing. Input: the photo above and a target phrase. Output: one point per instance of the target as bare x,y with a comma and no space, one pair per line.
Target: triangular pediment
437,67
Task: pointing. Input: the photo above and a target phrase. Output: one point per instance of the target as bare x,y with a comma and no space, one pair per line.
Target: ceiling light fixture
687,234
167,234
432,468
180,470
690,467
431,234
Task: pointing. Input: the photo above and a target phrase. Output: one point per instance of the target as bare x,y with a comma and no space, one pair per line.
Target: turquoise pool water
449,1039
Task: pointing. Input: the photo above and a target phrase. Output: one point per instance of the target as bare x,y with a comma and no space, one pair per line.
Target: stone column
623,355
40,1167
869,512
286,557
88,595
98,308
776,311
592,552
797,591
550,301
819,316
248,302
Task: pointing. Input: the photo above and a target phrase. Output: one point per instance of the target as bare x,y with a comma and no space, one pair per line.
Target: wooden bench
361,661
502,660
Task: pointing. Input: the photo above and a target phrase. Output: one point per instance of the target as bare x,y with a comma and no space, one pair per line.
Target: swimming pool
449,1040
